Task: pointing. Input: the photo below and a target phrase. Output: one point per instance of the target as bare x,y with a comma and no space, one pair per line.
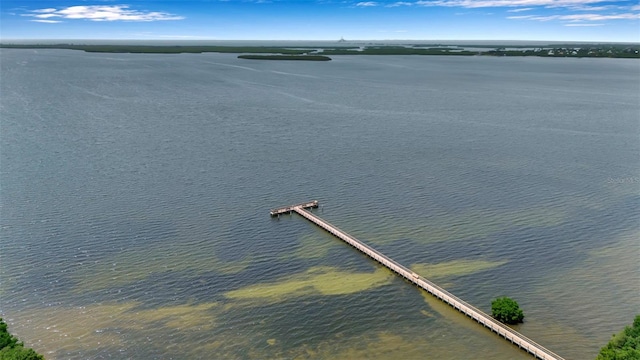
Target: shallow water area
136,190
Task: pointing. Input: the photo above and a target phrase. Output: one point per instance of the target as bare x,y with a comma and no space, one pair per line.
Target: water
136,189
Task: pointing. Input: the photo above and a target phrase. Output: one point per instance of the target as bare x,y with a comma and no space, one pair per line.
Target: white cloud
519,10
102,13
47,21
578,17
400,3
367,4
599,17
573,24
48,10
594,8
45,16
152,35
505,3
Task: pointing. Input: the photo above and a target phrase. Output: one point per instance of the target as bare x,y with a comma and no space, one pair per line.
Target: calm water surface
135,192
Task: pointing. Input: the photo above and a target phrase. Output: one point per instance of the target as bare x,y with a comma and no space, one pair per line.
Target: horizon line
323,40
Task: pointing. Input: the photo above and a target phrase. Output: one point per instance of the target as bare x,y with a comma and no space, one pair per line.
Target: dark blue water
135,192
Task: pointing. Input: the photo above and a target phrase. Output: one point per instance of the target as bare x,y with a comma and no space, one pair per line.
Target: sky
550,20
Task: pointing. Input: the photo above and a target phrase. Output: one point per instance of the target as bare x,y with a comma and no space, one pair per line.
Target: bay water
136,188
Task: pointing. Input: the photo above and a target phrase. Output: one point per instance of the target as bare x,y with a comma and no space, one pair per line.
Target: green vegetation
506,310
164,49
624,345
557,50
12,349
578,51
286,57
398,50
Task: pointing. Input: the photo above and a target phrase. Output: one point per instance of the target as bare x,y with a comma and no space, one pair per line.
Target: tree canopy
624,345
12,349
506,310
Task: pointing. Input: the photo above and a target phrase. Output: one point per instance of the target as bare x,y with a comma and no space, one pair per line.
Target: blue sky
551,20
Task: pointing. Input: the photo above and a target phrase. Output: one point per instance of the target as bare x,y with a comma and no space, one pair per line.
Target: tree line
13,349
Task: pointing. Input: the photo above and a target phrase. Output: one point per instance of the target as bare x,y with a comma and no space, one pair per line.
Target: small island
506,310
286,57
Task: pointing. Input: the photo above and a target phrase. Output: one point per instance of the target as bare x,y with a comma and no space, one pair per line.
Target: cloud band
99,13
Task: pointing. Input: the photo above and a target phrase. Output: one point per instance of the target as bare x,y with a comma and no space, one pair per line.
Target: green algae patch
135,265
325,281
454,268
408,343
84,328
426,313
312,246
180,317
384,347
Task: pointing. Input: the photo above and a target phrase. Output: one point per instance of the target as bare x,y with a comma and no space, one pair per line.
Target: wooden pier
291,208
478,315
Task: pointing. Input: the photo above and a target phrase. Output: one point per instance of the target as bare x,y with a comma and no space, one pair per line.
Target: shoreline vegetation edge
276,53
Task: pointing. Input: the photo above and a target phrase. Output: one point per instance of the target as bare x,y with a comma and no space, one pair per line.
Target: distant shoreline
305,53
286,57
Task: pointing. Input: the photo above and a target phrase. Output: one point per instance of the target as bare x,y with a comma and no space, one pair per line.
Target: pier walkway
506,332
291,208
